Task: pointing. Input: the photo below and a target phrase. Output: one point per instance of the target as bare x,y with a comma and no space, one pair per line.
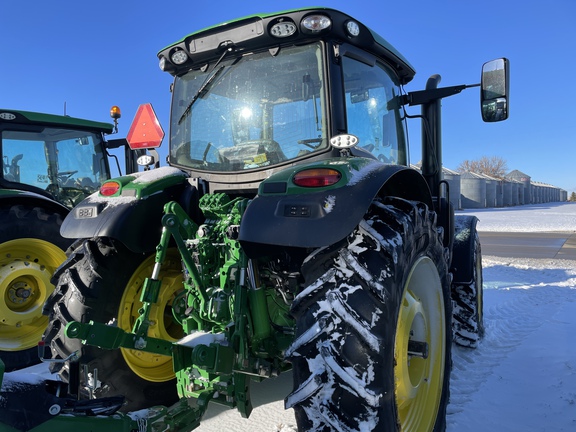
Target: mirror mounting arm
426,96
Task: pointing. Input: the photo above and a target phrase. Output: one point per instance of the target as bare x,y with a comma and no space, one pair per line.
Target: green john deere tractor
49,163
288,233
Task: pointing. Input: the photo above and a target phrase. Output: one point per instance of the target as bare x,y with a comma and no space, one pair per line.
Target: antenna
64,107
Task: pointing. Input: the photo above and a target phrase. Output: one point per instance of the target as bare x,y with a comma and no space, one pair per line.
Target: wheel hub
26,286
26,267
411,367
20,292
150,366
418,349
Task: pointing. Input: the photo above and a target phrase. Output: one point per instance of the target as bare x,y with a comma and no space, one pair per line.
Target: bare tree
493,166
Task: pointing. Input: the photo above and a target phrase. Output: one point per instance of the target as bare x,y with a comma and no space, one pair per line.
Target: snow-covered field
528,218
521,378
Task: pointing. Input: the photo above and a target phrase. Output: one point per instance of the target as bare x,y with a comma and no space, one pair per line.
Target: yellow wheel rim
150,366
26,266
419,348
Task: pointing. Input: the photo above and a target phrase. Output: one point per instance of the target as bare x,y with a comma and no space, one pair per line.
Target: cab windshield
68,164
250,112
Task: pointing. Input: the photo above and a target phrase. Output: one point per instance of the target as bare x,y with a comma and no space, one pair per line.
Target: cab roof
198,43
10,116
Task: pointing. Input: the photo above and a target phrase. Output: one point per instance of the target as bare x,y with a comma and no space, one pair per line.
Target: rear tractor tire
102,281
31,249
373,335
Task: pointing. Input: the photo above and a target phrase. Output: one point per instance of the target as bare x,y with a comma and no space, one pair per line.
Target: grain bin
526,182
506,193
500,193
537,195
473,190
515,191
453,180
491,190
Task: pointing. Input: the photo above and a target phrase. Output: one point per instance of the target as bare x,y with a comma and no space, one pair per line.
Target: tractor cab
58,157
278,90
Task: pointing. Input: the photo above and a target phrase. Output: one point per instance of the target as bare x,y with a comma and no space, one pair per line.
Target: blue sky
92,55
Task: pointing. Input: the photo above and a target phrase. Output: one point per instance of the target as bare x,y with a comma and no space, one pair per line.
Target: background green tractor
289,232
49,163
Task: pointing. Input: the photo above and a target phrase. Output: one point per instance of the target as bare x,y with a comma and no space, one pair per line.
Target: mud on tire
372,349
101,281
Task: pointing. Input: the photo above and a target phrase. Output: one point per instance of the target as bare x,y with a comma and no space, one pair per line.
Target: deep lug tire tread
89,286
342,356
468,323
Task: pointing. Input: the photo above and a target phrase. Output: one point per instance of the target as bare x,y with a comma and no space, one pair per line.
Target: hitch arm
108,337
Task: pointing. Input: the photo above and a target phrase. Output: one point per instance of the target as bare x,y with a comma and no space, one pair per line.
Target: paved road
559,245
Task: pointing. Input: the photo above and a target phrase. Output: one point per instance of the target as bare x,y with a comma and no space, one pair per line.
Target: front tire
31,249
102,281
373,342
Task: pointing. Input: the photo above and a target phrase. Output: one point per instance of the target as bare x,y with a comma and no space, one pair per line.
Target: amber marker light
115,112
109,188
317,177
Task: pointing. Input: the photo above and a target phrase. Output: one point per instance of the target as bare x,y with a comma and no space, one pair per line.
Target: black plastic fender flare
463,262
318,219
137,223
32,199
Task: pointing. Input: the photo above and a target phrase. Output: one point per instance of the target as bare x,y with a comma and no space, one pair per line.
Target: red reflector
109,188
145,131
317,177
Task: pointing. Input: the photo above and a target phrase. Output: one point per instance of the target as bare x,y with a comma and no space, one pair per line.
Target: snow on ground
528,218
522,377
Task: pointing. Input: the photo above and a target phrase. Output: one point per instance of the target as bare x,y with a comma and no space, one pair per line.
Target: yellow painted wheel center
419,348
26,266
150,366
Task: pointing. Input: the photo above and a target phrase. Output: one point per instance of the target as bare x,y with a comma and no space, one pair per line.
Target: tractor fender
19,197
463,262
321,218
136,221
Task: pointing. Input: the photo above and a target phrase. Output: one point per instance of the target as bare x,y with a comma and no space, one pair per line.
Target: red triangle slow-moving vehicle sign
145,131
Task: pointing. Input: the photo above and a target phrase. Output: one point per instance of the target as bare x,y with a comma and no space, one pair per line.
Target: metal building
473,190
507,193
491,191
454,185
525,193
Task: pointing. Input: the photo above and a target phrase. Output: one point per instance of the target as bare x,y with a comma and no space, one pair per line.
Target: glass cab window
373,110
250,112
53,159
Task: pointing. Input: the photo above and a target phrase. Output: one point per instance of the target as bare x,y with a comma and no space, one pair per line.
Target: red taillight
317,177
109,188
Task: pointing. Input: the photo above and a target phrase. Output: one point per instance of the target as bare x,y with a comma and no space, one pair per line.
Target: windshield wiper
204,87
200,92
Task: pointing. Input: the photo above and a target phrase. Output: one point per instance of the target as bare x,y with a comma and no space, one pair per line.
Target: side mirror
495,90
